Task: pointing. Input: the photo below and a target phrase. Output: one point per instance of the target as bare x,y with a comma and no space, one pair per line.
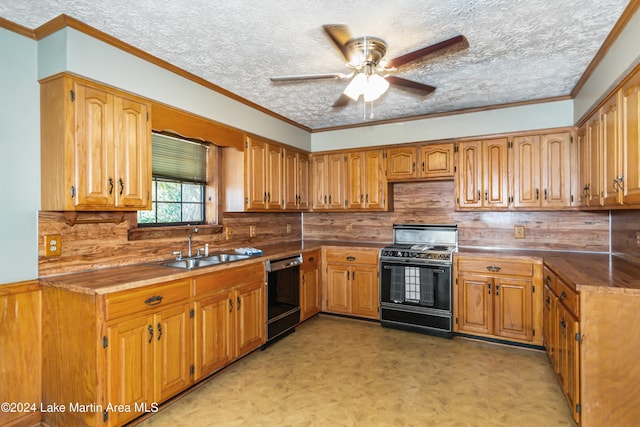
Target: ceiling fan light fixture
356,87
376,86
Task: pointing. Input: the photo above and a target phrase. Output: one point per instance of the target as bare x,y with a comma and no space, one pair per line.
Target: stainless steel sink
192,263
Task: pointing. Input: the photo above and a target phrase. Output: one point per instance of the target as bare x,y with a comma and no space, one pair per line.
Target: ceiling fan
370,72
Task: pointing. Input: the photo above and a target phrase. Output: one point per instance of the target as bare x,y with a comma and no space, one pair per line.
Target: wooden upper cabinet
329,181
265,175
436,160
366,184
526,171
611,150
482,174
95,147
630,136
584,168
428,161
401,163
556,170
596,153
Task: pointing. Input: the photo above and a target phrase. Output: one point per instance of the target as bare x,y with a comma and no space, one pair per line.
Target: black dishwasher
283,296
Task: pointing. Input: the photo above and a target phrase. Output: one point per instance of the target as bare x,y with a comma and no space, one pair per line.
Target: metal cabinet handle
154,300
545,194
311,259
121,182
230,305
497,289
351,258
486,195
563,296
110,185
493,268
537,194
150,329
238,303
159,331
488,288
548,279
547,301
479,196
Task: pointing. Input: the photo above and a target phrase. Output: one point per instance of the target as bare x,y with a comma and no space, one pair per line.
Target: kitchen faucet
195,230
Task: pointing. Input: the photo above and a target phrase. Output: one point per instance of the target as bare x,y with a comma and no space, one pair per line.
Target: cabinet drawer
568,297
310,260
351,256
495,266
136,300
230,277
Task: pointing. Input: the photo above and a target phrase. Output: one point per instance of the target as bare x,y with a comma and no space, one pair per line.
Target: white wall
513,119
620,59
19,158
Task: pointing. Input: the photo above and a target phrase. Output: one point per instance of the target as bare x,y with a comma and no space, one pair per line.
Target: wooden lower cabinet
351,282
310,291
229,317
498,298
562,337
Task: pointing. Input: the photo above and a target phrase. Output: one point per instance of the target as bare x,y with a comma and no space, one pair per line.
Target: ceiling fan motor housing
365,51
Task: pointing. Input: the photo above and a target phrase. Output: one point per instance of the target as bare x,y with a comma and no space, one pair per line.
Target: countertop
115,279
586,272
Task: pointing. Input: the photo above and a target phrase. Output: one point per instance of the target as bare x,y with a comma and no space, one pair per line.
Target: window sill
148,233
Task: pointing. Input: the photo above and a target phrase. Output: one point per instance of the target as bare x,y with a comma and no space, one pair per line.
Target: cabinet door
130,366
273,173
556,170
610,152
355,180
572,364
338,292
173,351
630,134
303,181
250,317
337,180
374,181
584,167
364,291
256,181
133,154
290,181
95,183
526,172
401,163
309,293
550,328
513,308
469,176
595,160
474,303
320,181
436,161
495,164
213,323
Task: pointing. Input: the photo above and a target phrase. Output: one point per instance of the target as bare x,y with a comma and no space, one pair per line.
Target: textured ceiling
519,50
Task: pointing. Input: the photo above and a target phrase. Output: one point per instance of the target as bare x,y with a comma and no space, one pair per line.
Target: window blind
175,158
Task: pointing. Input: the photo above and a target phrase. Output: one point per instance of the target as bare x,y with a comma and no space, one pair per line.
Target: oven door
416,285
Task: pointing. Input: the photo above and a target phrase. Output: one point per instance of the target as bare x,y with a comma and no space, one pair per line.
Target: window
179,169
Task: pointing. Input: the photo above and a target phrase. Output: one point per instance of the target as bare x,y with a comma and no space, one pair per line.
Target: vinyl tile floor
335,371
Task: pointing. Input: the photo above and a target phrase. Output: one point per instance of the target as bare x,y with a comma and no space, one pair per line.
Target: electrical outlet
252,231
228,233
288,228
348,228
638,239
518,231
52,245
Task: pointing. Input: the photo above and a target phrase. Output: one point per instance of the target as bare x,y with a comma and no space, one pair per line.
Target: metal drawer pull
154,300
563,295
494,268
150,329
548,279
351,258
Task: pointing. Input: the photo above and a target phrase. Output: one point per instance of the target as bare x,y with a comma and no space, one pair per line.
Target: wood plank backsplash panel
89,246
433,202
625,234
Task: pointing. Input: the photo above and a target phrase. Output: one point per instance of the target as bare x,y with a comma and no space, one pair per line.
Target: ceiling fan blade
340,35
417,54
300,77
415,87
342,101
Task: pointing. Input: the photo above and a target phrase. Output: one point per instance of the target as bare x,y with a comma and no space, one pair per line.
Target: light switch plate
518,231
